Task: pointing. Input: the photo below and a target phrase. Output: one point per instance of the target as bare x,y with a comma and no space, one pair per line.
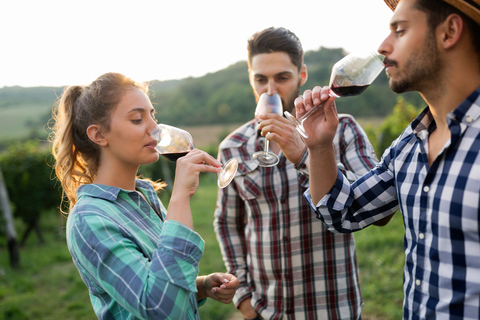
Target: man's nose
271,89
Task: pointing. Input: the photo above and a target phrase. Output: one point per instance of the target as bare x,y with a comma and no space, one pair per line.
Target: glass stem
309,112
267,144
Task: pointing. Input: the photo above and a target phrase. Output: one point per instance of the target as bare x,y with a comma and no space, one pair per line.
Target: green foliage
394,124
25,111
10,96
319,65
203,207
28,177
381,259
222,97
48,285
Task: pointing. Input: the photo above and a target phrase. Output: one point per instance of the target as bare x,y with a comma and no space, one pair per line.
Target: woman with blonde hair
138,260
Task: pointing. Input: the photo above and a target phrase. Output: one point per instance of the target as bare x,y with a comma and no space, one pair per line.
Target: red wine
348,91
173,157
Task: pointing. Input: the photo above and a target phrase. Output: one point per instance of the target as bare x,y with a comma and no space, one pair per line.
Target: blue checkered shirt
441,211
135,265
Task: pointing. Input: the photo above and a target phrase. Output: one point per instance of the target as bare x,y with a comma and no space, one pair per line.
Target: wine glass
350,77
173,143
267,104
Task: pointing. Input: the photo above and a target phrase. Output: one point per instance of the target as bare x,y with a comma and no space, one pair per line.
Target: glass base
265,159
298,125
228,173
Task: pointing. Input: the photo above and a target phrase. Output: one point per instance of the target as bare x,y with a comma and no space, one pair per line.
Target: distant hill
222,97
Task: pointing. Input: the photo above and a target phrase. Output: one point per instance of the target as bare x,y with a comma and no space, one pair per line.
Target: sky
64,42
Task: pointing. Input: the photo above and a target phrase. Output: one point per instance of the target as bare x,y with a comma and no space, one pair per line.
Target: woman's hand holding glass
188,170
174,143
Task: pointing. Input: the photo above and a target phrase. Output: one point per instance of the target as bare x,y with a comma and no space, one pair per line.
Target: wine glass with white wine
173,143
267,104
350,77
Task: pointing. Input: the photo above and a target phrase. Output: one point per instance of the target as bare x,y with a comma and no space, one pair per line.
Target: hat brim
392,4
470,8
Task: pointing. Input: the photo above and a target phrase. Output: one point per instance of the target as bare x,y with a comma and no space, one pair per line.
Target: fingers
232,281
310,99
225,286
273,123
200,158
299,107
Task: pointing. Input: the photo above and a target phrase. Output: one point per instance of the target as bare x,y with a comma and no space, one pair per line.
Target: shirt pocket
248,180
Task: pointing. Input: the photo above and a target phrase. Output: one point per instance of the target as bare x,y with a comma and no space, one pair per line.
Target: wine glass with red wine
267,104
350,77
174,143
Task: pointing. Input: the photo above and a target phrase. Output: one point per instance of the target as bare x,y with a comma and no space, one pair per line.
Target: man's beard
290,105
420,70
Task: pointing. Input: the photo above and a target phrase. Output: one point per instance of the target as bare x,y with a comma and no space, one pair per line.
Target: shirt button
418,282
421,236
426,188
468,119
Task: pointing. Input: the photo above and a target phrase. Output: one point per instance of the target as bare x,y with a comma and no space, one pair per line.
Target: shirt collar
107,192
467,112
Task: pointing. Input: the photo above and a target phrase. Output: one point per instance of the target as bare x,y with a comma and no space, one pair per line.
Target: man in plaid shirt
288,265
432,171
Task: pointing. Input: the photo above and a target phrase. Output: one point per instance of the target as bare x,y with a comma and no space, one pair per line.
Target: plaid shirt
441,211
286,261
135,265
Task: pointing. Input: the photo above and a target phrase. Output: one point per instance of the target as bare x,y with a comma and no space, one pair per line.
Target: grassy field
18,122
48,285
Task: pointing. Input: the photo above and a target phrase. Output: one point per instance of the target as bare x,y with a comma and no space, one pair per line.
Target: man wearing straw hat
431,172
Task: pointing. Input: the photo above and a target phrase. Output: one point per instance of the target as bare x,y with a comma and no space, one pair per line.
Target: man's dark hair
276,40
438,11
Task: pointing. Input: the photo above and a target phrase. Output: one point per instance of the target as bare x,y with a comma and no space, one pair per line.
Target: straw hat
470,7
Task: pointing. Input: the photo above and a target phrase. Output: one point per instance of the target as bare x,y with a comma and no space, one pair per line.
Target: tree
28,178
402,115
10,227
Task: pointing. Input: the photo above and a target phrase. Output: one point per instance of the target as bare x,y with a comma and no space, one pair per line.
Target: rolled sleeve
338,198
186,247
302,165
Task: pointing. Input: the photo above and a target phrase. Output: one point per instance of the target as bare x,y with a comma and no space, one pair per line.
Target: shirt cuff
302,165
241,294
202,302
175,229
338,198
327,198
180,250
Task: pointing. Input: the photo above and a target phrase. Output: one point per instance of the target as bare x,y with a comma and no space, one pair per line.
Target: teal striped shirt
135,264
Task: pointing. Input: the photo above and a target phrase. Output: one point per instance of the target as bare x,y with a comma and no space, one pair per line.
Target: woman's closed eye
137,121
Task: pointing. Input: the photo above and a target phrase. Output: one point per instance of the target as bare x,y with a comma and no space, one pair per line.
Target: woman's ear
95,135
